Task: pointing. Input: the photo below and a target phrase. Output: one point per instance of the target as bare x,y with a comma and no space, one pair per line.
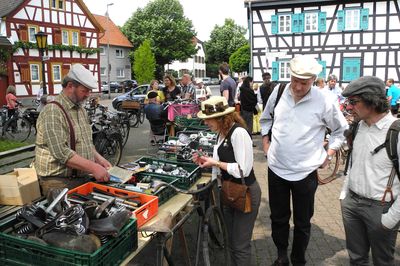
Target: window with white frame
311,22
32,31
352,19
65,37
119,53
284,73
285,23
75,38
103,71
120,73
35,75
57,4
56,73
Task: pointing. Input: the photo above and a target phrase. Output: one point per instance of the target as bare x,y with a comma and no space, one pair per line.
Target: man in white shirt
334,89
370,219
295,153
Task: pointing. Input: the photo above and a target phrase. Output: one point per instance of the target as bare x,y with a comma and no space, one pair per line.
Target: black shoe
281,262
254,145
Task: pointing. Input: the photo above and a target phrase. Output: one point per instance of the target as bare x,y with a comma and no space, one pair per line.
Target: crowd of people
292,118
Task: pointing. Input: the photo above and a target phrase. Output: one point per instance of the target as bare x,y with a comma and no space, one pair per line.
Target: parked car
206,80
137,94
115,86
129,84
214,81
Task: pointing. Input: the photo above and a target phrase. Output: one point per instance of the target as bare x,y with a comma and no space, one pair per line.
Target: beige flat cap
83,76
304,67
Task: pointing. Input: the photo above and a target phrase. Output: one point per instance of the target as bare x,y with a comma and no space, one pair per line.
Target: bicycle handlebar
183,191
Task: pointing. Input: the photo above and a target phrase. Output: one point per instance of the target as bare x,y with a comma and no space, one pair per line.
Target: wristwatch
330,157
218,164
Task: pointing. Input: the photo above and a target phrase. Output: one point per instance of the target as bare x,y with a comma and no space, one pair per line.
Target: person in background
232,153
265,89
154,87
12,103
248,102
320,83
295,152
188,90
171,90
56,163
228,84
371,216
203,92
334,88
256,117
393,95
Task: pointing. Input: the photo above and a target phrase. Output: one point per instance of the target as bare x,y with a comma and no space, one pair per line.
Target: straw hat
214,107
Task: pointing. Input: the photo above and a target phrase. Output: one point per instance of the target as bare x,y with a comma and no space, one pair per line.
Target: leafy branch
61,47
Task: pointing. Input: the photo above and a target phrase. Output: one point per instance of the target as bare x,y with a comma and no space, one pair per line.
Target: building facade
196,65
73,36
118,55
349,38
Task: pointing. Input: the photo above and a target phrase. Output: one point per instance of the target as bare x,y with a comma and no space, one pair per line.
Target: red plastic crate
182,110
144,213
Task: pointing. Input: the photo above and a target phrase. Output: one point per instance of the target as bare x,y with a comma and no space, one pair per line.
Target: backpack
390,144
281,89
265,90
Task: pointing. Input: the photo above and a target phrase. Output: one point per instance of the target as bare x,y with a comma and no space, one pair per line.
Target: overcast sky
205,14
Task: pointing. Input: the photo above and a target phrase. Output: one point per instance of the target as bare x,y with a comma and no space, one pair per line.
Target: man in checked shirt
57,164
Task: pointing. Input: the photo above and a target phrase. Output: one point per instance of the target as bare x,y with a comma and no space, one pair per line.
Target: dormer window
57,4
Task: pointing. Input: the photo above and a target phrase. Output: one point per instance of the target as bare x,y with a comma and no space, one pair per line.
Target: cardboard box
19,187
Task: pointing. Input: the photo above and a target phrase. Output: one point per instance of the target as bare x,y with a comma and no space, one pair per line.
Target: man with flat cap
62,160
296,151
370,219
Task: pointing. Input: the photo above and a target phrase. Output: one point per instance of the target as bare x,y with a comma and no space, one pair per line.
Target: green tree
224,41
239,61
164,24
144,63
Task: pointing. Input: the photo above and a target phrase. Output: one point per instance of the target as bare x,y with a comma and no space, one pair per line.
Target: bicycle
212,236
17,127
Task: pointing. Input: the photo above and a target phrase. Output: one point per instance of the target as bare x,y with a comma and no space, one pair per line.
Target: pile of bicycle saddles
67,221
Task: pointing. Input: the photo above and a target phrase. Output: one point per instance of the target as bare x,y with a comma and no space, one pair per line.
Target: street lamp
41,41
108,52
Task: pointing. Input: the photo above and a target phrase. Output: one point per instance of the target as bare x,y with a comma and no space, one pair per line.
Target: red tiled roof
112,32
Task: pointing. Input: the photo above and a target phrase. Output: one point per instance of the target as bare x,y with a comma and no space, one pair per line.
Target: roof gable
7,6
112,33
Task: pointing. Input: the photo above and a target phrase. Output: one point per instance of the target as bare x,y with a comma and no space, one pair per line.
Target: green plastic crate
183,182
184,123
18,251
165,193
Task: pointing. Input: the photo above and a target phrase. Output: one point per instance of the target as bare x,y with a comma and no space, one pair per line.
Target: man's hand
100,173
266,143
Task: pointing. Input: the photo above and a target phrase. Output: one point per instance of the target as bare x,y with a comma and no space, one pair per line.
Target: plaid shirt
190,89
53,139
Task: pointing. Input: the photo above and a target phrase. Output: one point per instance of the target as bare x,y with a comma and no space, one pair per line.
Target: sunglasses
212,109
353,101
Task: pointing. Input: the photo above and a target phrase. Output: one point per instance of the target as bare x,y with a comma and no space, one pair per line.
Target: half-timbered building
349,38
73,35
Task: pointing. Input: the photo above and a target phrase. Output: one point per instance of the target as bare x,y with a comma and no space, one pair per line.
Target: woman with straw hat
232,155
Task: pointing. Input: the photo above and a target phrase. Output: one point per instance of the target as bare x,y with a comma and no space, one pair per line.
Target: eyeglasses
353,101
212,109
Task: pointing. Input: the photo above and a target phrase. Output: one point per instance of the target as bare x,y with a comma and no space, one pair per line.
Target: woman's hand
206,162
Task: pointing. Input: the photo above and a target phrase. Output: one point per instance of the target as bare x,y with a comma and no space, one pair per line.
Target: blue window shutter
275,70
274,24
301,22
364,17
340,20
351,68
295,23
322,21
323,72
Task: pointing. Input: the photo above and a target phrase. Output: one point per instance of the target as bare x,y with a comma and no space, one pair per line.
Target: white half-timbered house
73,35
349,38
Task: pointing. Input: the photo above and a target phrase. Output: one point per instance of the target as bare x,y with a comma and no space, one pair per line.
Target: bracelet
218,164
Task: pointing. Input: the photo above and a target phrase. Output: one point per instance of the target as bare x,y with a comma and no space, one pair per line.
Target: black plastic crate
18,251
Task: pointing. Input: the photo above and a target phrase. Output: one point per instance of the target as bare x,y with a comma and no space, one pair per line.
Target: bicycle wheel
142,115
17,130
215,238
125,128
328,174
134,119
111,149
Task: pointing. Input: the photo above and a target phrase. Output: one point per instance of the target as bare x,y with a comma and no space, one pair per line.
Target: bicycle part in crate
187,173
175,110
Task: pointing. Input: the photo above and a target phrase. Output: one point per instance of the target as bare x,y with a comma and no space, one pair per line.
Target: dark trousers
303,192
365,233
248,118
240,228
394,109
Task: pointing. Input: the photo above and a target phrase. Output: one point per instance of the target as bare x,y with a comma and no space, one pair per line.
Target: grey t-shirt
230,85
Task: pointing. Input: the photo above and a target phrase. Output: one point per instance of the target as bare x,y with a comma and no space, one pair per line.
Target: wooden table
174,206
